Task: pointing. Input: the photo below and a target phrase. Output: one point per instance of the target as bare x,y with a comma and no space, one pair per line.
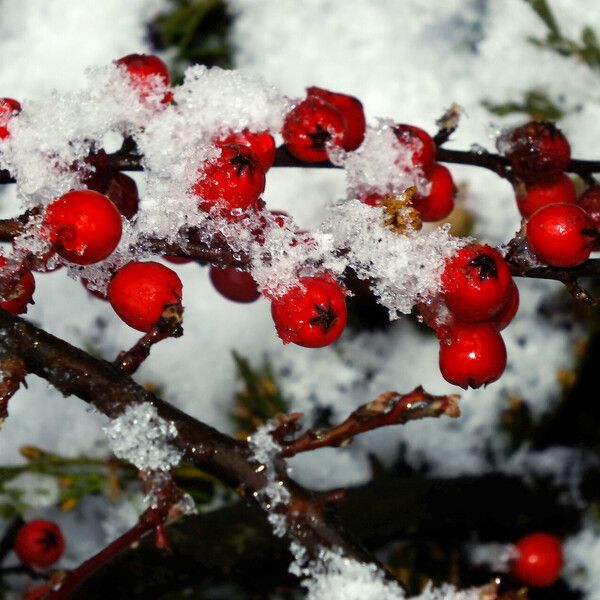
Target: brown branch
12,375
390,408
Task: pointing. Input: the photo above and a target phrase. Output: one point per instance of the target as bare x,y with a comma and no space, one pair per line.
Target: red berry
539,559
37,593
262,144
536,195
21,294
123,193
8,108
311,314
98,178
590,202
145,70
476,283
39,543
420,143
561,235
309,127
238,286
139,292
472,354
234,181
438,204
537,151
374,199
507,313
177,260
351,109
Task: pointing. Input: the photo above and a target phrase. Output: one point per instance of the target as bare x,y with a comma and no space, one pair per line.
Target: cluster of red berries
561,230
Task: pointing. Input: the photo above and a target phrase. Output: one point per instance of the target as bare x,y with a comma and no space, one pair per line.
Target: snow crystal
144,439
35,489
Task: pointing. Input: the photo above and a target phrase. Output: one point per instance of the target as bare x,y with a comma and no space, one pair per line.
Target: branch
12,375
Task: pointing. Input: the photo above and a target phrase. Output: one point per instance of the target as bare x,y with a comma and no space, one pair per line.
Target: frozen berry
145,72
8,108
84,226
262,144
590,202
373,199
311,314
309,127
561,235
234,181
507,313
476,282
537,151
21,295
472,354
98,177
238,286
534,196
438,204
39,543
139,292
123,193
419,143
351,109
539,560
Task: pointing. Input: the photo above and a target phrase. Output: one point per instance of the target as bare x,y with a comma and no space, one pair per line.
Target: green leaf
545,13
535,103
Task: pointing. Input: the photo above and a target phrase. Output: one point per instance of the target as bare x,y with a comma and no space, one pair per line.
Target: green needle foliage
535,103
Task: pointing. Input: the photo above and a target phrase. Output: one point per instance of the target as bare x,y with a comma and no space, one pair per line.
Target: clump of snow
34,489
497,557
582,560
144,439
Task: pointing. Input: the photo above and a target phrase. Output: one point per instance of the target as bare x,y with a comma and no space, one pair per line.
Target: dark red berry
537,151
39,543
590,202
83,226
476,283
144,71
351,109
97,179
419,143
311,314
561,235
438,204
238,286
8,108
539,560
234,181
177,260
37,593
507,313
22,293
262,144
139,292
123,193
472,354
309,127
534,196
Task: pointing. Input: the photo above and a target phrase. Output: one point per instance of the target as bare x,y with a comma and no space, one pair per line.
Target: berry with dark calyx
22,293
144,71
261,143
539,560
537,151
83,226
472,354
237,286
139,292
590,202
309,127
311,314
438,204
561,235
39,543
476,283
8,108
419,142
123,193
507,313
234,181
534,196
351,109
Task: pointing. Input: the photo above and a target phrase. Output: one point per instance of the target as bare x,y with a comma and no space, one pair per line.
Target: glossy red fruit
144,71
590,202
438,204
561,235
139,292
238,286
539,560
536,195
123,193
420,143
472,354
84,226
8,108
476,283
21,294
537,151
39,543
234,181
261,143
312,314
352,111
507,313
309,127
